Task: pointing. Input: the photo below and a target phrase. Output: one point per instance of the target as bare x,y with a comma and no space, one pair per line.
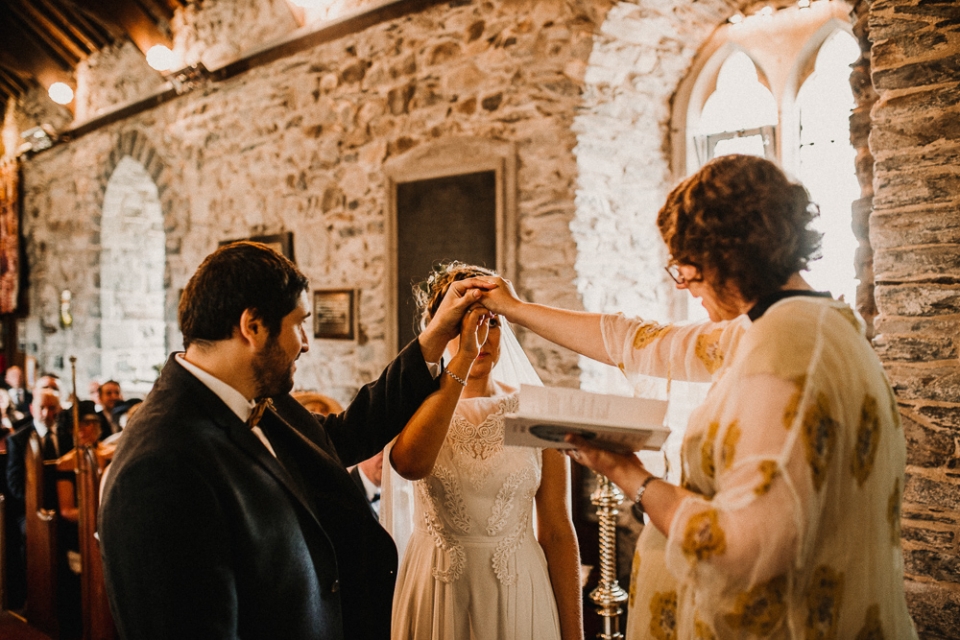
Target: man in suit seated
368,476
109,396
215,524
56,438
20,398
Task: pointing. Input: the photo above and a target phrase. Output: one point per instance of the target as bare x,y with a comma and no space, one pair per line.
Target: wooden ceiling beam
19,18
140,26
33,58
13,83
91,34
161,12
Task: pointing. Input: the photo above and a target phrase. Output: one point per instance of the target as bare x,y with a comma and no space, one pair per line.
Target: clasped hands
463,312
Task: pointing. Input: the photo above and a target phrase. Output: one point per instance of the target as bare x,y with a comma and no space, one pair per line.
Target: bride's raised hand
473,332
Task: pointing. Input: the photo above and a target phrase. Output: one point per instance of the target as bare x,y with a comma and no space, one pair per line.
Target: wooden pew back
41,543
97,621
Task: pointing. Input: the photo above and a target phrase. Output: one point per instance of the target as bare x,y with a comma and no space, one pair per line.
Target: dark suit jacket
106,427
206,535
16,463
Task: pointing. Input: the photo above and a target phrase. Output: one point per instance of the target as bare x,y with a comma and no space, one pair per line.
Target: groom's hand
445,324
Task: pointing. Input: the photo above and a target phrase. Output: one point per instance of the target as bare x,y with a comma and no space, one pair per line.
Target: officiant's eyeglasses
673,269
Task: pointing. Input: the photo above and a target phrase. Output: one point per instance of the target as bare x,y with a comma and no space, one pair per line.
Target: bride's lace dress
473,568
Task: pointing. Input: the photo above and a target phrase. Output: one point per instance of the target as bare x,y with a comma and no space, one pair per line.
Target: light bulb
160,57
61,93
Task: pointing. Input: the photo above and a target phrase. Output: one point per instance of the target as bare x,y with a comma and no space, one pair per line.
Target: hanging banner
9,235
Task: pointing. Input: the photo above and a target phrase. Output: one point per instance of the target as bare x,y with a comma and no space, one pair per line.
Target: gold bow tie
257,412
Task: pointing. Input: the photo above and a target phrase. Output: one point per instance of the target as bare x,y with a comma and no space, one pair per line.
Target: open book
617,423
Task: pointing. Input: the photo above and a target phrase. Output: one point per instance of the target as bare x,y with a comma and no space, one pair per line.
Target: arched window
777,84
741,114
826,161
132,262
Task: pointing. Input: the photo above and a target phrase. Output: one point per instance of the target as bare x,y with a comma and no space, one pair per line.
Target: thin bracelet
642,489
456,377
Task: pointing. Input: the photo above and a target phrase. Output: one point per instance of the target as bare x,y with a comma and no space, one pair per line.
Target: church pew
97,621
41,543
3,542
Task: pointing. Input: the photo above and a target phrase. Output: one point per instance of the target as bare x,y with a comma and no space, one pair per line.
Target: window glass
827,162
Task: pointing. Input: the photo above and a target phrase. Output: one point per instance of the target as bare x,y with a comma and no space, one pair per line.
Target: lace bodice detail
480,491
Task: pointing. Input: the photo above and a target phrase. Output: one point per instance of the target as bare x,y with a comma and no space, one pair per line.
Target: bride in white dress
477,564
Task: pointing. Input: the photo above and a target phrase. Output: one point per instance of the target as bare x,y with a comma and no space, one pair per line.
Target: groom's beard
272,372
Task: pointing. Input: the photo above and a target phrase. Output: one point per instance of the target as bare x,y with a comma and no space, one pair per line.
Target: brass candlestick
608,595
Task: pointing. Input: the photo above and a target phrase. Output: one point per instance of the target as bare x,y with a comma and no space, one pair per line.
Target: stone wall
915,233
299,145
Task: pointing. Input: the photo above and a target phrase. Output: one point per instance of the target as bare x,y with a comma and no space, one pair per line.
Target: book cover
547,414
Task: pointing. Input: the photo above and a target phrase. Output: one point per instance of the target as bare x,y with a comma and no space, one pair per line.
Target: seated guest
68,539
367,475
89,432
123,411
109,395
19,397
55,437
8,414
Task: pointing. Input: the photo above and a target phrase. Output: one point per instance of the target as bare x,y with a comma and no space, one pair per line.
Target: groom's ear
251,328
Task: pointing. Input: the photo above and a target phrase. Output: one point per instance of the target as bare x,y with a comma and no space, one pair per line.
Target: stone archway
132,264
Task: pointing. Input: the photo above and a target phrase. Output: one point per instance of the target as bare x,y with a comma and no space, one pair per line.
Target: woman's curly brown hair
429,293
742,223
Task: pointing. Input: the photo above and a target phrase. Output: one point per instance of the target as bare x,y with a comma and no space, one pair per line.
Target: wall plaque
334,316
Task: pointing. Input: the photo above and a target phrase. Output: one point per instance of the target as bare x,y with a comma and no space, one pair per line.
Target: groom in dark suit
217,525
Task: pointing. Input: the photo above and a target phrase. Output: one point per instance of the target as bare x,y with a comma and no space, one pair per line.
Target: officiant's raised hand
499,296
445,324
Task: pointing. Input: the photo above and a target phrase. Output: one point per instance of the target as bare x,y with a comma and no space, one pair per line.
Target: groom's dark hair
232,279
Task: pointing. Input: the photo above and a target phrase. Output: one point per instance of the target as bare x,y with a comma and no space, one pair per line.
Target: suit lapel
239,433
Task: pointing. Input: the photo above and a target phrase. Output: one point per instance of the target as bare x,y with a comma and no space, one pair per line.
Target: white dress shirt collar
41,428
230,396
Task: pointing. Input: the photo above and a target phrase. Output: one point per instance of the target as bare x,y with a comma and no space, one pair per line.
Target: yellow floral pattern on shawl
704,537
790,413
706,451
893,513
769,470
760,610
647,333
702,631
820,432
868,440
823,603
708,350
634,570
663,615
872,629
729,449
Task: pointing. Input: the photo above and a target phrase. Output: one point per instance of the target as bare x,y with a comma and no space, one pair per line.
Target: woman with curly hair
475,567
786,523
